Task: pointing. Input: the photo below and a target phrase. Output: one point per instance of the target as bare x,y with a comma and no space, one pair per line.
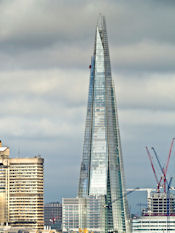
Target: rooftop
3,148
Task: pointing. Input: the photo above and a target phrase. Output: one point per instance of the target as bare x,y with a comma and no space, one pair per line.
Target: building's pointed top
101,22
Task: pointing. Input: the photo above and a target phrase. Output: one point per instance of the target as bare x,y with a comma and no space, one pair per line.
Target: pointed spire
101,172
100,22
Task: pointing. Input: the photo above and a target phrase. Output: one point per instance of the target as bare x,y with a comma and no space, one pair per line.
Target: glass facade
95,214
101,170
74,214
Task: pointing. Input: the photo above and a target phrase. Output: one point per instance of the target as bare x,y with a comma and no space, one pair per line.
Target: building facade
73,214
84,214
101,172
4,156
21,195
159,205
153,224
158,217
53,215
95,213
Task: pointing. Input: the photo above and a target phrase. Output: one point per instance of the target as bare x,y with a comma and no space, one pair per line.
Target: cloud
45,50
146,56
52,85
53,35
149,91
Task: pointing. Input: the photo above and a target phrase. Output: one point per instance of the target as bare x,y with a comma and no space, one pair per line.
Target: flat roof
3,148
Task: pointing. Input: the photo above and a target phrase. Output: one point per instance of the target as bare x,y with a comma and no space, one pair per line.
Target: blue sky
45,51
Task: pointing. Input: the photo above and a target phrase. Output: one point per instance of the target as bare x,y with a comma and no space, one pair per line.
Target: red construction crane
166,168
154,171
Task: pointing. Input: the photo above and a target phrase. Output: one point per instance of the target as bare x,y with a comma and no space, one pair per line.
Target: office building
53,215
80,214
102,172
74,214
156,224
159,216
158,203
21,193
95,213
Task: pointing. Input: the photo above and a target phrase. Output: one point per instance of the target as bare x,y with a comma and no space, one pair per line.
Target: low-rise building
9,229
156,224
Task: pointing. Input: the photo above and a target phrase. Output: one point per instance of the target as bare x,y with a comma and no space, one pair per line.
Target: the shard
101,172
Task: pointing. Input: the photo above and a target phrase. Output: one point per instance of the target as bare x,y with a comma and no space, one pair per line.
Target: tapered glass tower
101,172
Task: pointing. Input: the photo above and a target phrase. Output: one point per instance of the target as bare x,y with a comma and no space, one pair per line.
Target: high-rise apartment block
21,191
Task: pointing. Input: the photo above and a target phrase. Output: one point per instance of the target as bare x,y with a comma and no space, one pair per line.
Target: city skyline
44,72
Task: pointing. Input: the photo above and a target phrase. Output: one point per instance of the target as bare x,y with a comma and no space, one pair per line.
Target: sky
45,52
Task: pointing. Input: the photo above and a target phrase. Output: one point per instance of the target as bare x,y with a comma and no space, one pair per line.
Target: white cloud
146,91
145,55
147,118
45,51
69,85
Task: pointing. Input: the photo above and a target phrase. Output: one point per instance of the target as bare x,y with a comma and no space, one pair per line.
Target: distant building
21,191
4,171
156,224
83,213
73,214
159,217
95,213
53,215
9,229
157,204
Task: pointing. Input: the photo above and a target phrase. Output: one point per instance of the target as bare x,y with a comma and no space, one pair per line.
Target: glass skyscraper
101,172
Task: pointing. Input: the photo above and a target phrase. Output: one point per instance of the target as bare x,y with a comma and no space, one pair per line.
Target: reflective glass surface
99,157
101,170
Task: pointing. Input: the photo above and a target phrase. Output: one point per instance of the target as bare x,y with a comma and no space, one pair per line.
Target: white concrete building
159,217
156,224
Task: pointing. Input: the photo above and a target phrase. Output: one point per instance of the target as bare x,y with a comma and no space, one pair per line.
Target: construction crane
154,171
164,169
161,168
148,190
166,183
109,205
